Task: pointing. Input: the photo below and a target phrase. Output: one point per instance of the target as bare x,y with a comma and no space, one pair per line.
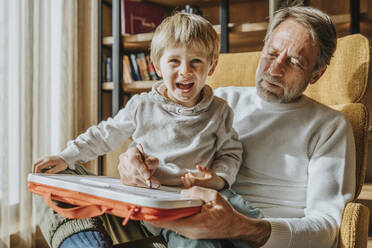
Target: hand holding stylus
137,169
142,153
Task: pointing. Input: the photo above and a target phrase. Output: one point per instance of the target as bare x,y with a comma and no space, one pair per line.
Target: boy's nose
185,69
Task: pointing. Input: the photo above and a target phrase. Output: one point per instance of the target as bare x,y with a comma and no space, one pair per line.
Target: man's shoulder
233,90
233,95
324,110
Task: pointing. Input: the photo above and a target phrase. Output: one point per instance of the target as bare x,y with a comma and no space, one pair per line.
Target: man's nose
277,66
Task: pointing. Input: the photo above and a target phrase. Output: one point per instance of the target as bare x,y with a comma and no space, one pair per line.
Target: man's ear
213,67
317,74
157,69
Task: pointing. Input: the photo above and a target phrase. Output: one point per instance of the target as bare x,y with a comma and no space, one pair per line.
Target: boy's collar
206,98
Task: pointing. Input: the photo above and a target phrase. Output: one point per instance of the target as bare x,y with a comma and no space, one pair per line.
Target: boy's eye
196,61
271,54
173,61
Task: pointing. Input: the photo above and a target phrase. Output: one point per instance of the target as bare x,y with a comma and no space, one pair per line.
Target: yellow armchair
342,87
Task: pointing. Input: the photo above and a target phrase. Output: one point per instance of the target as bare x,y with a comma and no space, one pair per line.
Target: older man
299,160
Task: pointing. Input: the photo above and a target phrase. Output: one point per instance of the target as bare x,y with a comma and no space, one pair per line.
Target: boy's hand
50,165
137,169
204,178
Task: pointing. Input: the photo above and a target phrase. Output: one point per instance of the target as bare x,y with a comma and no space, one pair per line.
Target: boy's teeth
184,85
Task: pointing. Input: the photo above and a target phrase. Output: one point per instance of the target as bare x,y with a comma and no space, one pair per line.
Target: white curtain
38,81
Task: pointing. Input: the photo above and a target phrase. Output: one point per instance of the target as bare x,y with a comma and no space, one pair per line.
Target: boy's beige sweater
179,137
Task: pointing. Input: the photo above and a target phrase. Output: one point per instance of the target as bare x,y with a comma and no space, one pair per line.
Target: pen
142,153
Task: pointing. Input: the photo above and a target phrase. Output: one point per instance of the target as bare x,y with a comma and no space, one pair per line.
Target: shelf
132,88
132,42
142,41
177,3
182,3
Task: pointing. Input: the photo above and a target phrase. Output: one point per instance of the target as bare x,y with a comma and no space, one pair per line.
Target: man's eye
295,63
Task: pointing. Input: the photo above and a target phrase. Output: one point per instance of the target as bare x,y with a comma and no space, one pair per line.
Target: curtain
87,68
38,101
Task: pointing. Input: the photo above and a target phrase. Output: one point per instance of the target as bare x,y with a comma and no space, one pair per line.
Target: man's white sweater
298,166
179,137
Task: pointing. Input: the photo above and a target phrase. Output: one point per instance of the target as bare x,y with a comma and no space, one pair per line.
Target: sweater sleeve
331,184
229,149
102,138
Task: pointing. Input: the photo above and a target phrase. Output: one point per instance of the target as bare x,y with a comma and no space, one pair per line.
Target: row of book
142,17
136,67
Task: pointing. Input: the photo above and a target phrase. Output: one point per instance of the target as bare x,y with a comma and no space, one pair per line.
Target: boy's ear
213,67
157,69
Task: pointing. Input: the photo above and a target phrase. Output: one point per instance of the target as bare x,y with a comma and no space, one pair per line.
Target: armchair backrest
342,86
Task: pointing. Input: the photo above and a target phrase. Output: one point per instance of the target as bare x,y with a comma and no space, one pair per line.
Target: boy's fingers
55,169
203,169
40,167
135,160
35,165
155,183
38,162
142,169
186,183
152,163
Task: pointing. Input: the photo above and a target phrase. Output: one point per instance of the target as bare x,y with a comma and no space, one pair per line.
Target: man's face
184,71
286,64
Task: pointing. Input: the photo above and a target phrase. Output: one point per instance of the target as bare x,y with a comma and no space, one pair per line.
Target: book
142,65
151,68
127,70
136,73
140,17
108,69
111,188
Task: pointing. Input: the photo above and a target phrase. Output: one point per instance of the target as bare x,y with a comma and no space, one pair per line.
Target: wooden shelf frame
131,88
141,42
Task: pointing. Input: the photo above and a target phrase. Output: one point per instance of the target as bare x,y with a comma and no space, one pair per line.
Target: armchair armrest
354,226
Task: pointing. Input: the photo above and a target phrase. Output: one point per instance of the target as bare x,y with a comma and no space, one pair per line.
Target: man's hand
203,178
50,165
136,169
217,220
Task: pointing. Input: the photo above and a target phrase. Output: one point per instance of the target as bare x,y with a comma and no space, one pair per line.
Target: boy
179,122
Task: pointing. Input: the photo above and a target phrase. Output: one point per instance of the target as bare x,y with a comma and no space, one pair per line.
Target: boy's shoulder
219,101
140,98
137,100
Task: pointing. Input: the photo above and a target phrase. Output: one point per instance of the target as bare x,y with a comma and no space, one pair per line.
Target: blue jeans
175,240
87,239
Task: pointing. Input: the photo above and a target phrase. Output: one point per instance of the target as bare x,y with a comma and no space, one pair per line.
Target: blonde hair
185,29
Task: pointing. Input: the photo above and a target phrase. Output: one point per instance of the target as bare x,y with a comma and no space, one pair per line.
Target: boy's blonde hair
185,29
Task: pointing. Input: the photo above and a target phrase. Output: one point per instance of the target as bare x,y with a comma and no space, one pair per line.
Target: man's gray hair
319,24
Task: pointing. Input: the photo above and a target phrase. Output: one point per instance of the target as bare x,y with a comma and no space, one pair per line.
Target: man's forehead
295,38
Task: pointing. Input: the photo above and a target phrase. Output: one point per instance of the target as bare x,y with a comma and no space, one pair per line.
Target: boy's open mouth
184,86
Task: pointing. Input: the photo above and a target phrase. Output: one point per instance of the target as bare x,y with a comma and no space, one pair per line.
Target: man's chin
268,96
